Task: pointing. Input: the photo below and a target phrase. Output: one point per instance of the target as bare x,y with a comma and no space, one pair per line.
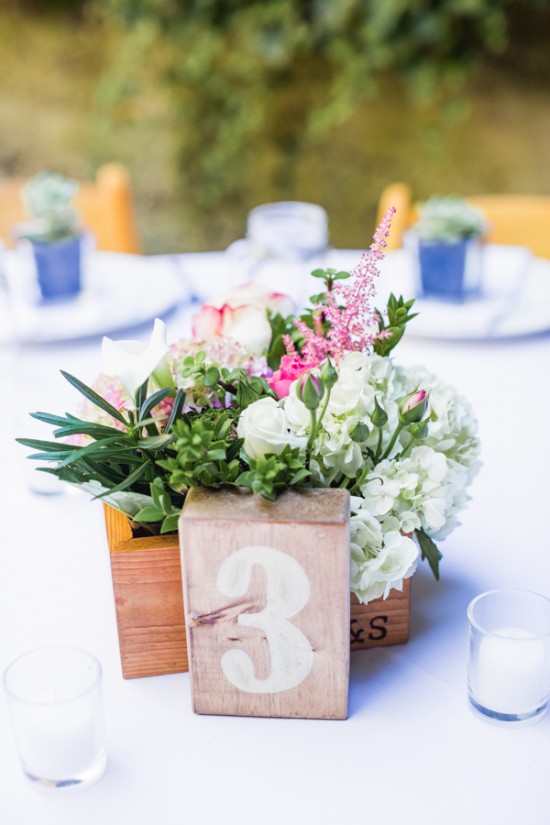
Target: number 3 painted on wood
287,592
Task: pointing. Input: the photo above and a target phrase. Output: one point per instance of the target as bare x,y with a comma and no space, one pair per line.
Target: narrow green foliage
96,399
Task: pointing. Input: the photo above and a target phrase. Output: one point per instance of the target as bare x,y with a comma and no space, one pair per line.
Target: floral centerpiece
266,399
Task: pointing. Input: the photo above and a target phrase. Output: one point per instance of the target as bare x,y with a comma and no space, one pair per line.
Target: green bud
360,432
419,430
379,417
310,390
328,374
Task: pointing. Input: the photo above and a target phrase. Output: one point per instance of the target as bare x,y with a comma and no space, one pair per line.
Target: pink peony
292,367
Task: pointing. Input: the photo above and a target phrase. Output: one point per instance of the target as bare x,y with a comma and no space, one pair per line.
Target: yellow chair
105,207
517,220
398,195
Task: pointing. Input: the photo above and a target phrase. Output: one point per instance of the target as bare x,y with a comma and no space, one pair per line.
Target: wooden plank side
148,602
382,621
267,608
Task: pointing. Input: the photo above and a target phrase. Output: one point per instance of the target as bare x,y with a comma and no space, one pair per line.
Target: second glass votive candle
509,655
55,700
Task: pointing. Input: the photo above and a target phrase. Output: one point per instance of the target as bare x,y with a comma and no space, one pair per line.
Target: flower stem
405,450
393,439
324,407
355,490
378,445
312,435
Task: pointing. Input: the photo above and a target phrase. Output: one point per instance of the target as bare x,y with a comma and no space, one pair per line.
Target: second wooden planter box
148,593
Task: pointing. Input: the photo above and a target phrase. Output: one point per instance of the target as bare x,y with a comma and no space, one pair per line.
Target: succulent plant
448,220
48,198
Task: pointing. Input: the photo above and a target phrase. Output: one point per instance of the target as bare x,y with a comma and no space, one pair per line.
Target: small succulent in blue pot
448,236
54,234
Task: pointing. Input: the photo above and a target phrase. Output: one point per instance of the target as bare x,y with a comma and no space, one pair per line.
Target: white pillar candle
512,671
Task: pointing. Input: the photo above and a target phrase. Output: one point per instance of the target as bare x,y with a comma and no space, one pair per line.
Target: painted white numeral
287,592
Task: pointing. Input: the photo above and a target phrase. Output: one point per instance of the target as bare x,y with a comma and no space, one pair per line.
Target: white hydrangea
381,556
416,485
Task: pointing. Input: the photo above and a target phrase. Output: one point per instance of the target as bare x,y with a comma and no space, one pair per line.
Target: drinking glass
55,700
284,243
509,655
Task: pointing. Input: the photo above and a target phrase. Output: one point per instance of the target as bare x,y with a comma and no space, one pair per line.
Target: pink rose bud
413,407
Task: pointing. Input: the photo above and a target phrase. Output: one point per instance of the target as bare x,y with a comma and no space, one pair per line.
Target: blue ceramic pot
58,268
449,271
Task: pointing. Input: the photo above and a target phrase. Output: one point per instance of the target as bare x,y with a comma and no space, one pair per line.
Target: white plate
515,300
120,292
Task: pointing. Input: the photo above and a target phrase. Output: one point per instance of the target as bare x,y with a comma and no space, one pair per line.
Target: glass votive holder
56,707
285,241
509,655
289,229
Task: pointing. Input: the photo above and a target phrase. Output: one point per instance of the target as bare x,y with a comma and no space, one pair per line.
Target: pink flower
413,407
292,367
242,315
348,309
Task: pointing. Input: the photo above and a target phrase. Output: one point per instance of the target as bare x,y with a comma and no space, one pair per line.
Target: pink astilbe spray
349,310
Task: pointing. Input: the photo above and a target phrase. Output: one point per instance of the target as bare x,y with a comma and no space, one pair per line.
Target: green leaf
48,446
148,514
96,399
95,431
141,394
151,402
211,377
155,442
429,551
127,482
95,447
127,502
55,420
176,410
170,523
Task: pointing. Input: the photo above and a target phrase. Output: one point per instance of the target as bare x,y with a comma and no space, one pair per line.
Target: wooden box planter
148,593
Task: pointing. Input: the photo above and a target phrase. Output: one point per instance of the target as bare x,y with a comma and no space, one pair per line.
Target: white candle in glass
59,741
512,672
55,700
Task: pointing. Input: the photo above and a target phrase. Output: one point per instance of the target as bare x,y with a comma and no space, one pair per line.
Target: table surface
411,749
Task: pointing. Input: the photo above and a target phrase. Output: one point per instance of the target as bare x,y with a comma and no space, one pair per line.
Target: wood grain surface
268,603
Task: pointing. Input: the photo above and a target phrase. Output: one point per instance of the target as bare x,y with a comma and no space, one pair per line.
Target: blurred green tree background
218,105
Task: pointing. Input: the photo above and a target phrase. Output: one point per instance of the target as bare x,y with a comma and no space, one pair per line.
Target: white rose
264,427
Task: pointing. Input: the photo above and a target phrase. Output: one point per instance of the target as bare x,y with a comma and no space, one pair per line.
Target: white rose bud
264,427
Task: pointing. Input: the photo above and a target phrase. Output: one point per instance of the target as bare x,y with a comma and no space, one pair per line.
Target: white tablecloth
411,750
